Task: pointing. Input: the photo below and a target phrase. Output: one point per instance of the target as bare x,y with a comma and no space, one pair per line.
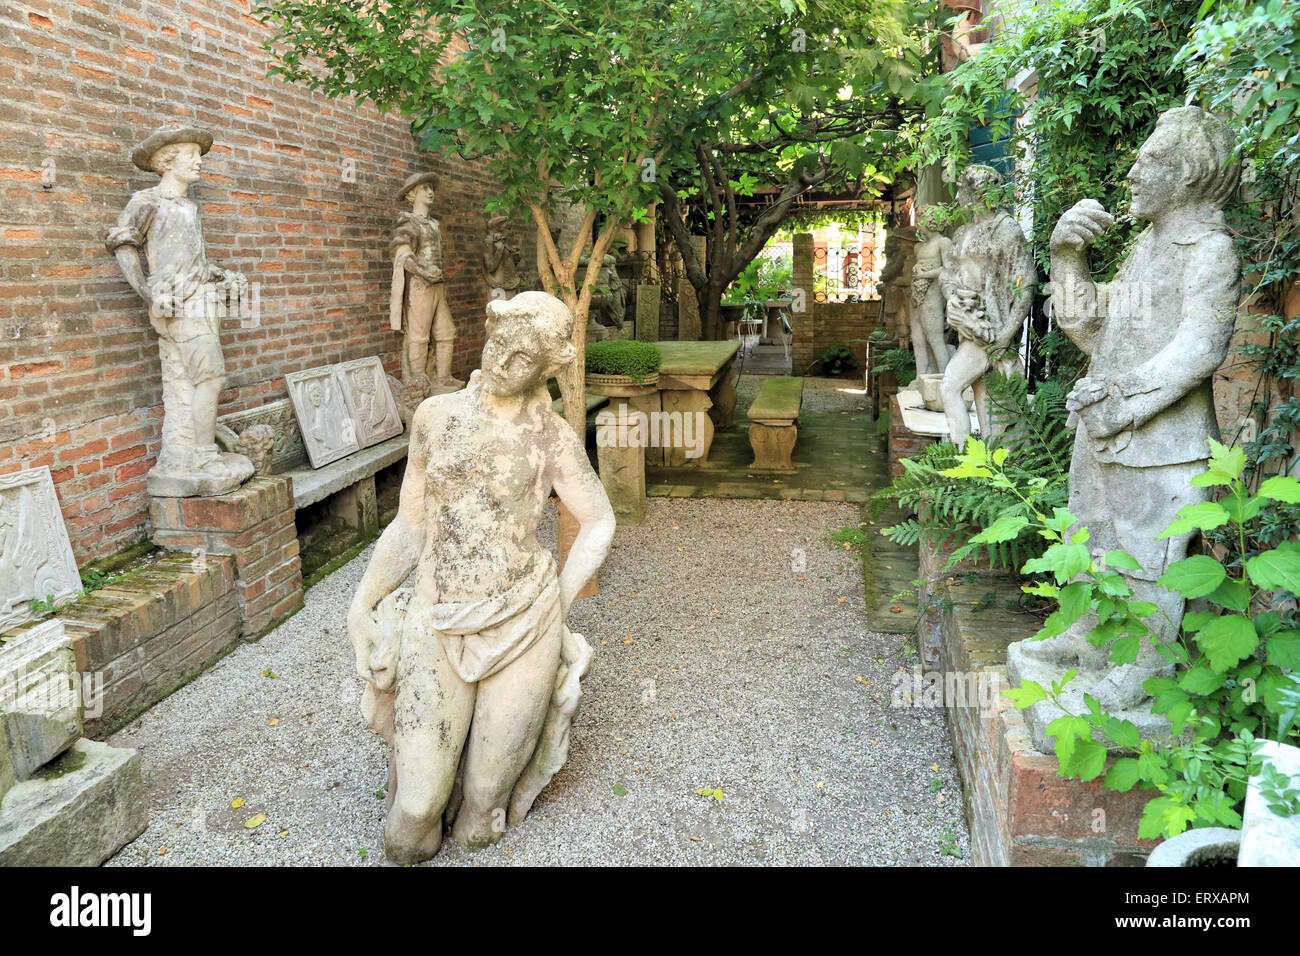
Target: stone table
694,377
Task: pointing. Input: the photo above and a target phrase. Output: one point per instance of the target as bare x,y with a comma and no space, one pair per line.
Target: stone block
78,811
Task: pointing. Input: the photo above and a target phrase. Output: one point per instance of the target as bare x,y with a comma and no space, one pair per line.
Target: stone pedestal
621,437
255,525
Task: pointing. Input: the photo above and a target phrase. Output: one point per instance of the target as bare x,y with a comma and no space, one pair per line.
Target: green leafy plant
637,360
1235,662
899,361
836,360
951,510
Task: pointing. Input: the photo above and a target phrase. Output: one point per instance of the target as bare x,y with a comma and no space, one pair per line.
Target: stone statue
1145,410
187,297
895,278
926,316
500,259
988,287
418,300
472,674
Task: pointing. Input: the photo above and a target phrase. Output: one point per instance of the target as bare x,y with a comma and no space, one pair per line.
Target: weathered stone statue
926,316
473,675
500,259
187,297
1145,410
895,278
988,286
418,300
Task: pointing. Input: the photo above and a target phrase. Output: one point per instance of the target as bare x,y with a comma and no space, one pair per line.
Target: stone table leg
686,417
724,398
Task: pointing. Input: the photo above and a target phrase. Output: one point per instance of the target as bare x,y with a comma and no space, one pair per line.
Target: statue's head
1186,160
419,189
181,160
976,185
527,342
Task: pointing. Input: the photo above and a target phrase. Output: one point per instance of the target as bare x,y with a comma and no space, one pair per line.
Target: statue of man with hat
187,297
418,302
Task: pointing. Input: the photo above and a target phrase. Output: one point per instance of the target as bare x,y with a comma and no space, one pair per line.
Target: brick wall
84,81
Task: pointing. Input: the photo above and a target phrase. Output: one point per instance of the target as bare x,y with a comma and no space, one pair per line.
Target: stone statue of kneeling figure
472,674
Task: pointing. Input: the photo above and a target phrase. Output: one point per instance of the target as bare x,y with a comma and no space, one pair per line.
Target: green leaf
1123,775
1281,488
1233,594
1227,640
1006,528
1026,695
1284,650
1279,568
1122,559
1201,516
1194,577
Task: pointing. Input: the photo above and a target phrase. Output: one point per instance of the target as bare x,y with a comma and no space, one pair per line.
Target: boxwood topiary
637,360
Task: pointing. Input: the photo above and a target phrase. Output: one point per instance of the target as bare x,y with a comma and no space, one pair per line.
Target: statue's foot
1121,689
478,831
409,839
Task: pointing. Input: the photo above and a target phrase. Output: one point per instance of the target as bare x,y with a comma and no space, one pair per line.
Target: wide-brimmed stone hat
165,136
416,179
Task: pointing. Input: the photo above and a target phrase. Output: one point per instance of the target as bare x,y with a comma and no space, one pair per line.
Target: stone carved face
527,342
185,163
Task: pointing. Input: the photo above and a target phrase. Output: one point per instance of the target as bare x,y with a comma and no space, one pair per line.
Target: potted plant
619,365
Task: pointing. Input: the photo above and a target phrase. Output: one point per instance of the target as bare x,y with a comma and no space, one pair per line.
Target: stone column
803,346
647,313
254,524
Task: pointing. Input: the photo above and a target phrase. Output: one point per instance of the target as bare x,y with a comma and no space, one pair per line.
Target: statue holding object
187,297
418,300
988,285
1145,410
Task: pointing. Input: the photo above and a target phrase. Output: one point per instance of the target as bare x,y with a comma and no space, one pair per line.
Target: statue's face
421,194
1155,177
186,164
512,366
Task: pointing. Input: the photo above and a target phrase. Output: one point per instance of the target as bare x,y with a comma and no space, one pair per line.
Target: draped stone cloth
481,638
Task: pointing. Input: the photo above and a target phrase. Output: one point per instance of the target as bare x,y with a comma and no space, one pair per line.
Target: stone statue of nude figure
473,675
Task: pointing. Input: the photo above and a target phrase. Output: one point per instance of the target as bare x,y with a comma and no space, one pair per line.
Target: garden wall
297,194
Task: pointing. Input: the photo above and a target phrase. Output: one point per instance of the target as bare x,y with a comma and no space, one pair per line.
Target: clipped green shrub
637,360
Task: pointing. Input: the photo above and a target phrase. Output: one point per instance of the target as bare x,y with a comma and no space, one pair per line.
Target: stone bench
772,418
348,482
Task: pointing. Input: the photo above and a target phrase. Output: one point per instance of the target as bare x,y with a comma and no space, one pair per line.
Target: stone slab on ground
78,811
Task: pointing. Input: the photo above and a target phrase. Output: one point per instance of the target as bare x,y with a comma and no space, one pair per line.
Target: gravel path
731,656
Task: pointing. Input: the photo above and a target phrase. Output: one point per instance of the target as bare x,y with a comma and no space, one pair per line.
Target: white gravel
719,666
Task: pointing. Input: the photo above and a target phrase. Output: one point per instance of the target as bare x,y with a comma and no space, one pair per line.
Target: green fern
949,511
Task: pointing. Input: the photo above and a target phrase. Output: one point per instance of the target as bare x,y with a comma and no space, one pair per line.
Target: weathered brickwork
297,194
150,633
255,527
1020,811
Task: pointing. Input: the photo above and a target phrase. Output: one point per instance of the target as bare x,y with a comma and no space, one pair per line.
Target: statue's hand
1086,391
367,641
1080,226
